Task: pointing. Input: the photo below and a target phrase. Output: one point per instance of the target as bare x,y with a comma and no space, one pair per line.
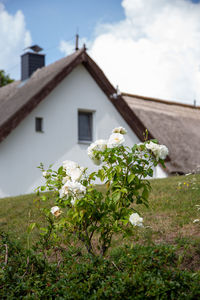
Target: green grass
169,217
16,213
172,207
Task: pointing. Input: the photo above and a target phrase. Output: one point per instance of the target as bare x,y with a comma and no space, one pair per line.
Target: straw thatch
172,124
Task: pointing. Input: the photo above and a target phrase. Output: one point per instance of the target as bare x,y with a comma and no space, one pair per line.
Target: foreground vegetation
161,260
142,272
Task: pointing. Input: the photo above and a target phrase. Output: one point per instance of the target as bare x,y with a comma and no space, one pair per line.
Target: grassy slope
172,207
169,217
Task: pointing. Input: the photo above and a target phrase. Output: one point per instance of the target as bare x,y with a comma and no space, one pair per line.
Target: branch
6,255
115,266
91,235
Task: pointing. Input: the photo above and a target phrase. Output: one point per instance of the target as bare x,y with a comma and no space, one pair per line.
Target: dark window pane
38,124
85,126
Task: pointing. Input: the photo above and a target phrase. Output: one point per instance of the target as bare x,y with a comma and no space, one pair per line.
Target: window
85,126
39,124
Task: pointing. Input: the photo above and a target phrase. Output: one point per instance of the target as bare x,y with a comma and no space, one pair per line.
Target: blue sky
147,47
50,21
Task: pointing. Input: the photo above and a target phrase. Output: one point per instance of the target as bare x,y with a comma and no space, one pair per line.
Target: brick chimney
31,61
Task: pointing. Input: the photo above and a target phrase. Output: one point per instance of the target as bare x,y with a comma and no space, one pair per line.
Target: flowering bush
82,211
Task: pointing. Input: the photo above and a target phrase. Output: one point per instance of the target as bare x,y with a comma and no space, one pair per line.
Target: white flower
73,171
45,174
136,220
152,146
69,164
73,187
121,130
76,174
116,139
55,210
196,221
61,193
160,151
73,201
163,152
99,145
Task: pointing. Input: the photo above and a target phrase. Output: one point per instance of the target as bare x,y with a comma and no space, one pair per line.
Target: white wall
160,172
23,150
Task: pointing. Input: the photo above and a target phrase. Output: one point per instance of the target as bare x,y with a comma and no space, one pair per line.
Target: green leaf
150,172
92,175
139,200
60,170
31,227
145,193
134,148
131,178
116,196
82,212
124,190
101,174
154,141
43,198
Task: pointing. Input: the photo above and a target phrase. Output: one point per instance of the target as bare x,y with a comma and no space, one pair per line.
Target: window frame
91,113
40,127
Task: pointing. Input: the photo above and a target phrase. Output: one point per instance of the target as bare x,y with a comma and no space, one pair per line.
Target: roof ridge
77,53
160,100
59,61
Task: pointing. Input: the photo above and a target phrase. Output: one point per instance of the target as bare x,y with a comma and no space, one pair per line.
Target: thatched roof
173,124
18,99
8,90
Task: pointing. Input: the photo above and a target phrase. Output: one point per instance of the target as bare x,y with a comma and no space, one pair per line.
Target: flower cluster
116,139
160,151
71,185
73,188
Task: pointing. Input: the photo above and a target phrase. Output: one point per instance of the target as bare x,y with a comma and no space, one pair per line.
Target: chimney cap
35,48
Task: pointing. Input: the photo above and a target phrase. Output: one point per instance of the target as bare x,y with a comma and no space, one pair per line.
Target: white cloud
14,37
67,47
154,51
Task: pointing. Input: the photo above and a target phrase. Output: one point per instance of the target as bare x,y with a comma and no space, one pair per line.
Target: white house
55,112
